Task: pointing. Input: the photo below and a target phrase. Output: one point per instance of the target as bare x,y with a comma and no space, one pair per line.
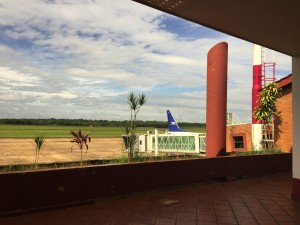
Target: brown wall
21,191
240,129
283,121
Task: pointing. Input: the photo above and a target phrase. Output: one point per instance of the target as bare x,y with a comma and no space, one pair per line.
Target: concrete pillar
296,128
216,100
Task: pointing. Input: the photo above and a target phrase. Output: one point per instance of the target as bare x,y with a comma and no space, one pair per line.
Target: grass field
30,131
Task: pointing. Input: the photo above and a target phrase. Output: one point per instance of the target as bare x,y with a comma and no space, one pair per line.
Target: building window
238,142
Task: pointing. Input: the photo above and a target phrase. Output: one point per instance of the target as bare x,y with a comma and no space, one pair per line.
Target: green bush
119,160
259,152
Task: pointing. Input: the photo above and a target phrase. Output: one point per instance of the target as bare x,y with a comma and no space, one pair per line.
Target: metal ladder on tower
267,76
267,70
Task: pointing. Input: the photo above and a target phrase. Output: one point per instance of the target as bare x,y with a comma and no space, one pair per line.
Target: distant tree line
99,123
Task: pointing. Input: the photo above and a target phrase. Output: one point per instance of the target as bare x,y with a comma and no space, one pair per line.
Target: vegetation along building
239,135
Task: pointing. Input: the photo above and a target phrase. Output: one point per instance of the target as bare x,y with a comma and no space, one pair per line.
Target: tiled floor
263,200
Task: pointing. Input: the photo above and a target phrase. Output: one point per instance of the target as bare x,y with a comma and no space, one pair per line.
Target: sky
81,59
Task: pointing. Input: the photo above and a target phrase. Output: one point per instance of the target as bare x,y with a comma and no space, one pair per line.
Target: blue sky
80,59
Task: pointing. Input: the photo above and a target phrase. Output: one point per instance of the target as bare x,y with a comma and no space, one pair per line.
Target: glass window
238,142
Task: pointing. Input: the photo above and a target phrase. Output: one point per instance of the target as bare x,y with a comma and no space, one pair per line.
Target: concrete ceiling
273,24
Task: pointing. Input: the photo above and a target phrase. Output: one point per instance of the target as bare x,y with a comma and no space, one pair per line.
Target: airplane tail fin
172,124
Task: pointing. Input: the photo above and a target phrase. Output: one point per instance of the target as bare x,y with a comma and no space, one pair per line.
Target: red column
255,90
257,78
216,100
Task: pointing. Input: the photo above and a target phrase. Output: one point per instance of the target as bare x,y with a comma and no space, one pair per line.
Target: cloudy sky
80,59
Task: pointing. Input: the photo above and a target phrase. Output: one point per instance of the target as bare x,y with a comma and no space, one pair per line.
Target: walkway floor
263,200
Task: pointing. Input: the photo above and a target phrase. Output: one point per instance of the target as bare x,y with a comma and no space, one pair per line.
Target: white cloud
170,59
9,97
9,75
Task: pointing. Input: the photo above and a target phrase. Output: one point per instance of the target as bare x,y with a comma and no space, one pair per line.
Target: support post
156,142
216,100
197,143
296,128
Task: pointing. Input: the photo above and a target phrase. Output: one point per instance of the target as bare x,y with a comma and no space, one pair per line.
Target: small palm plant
135,103
39,142
80,139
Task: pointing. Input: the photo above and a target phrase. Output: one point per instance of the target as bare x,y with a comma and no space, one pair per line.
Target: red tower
257,81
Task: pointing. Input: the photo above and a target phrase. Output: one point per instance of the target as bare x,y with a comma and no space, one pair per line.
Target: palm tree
80,139
135,103
39,142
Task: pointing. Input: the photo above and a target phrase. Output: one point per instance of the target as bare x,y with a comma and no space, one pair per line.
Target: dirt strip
22,151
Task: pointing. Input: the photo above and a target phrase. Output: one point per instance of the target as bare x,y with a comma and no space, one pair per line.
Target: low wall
21,191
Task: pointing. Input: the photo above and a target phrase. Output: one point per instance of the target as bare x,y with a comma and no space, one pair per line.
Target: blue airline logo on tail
172,125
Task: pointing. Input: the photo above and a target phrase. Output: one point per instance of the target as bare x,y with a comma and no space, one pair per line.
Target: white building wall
296,116
257,136
142,143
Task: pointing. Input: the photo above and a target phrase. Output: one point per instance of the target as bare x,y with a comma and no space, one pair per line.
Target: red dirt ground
22,151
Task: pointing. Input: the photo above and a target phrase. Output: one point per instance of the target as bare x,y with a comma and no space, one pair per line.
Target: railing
232,119
169,143
268,136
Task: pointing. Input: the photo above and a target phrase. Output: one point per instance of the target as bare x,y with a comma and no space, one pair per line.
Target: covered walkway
263,200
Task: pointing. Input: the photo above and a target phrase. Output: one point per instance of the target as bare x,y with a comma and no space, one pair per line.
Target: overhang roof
272,24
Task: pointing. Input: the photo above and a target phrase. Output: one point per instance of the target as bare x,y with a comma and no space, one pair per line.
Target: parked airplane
172,124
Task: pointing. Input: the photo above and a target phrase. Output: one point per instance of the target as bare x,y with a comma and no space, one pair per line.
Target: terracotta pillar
216,100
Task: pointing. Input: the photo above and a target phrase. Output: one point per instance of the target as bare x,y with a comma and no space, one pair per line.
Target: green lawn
30,131
197,130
